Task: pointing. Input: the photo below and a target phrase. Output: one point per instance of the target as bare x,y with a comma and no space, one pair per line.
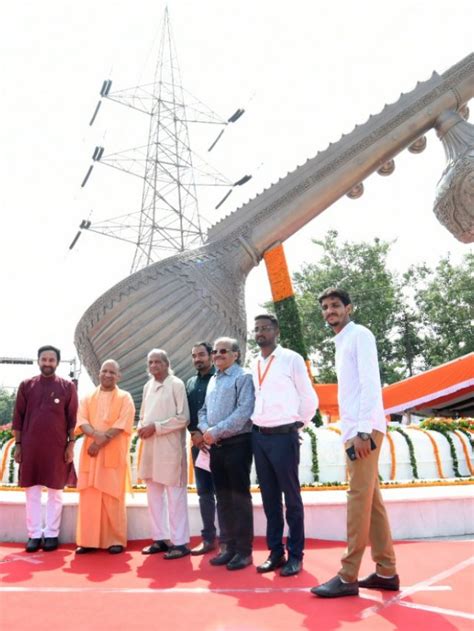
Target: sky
305,72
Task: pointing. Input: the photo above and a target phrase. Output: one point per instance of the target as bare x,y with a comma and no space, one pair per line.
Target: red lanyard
261,378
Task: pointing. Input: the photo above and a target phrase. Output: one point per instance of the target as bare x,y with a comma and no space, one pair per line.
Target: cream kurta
163,458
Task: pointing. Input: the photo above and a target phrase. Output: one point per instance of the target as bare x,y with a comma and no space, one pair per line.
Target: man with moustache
164,416
196,388
363,426
285,401
105,418
43,426
224,421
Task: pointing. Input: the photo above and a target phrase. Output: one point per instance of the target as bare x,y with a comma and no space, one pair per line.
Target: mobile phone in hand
350,451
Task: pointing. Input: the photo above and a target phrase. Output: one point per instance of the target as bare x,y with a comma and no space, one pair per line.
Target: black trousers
230,467
277,458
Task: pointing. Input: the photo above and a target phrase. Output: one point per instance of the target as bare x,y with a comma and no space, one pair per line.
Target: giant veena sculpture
200,293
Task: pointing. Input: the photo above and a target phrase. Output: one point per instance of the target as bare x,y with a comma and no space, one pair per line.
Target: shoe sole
384,588
240,567
333,595
271,569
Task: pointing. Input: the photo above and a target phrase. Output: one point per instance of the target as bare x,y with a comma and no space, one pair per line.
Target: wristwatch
363,435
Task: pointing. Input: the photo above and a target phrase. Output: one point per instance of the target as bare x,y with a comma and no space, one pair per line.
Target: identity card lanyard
261,378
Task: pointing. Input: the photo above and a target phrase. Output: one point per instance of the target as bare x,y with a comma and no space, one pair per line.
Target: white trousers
54,507
168,507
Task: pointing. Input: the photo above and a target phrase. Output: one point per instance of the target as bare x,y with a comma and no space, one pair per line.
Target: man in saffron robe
106,419
43,425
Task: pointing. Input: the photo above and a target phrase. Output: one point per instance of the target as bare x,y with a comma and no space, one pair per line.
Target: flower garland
466,453
411,451
435,449
393,457
291,334
322,486
314,453
8,444
139,457
468,435
133,447
444,427
11,470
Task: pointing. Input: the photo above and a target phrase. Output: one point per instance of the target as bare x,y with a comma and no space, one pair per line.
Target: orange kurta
102,480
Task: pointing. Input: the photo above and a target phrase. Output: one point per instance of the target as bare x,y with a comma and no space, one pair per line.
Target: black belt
232,440
278,429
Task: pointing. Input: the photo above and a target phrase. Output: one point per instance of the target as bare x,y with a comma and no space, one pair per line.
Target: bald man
105,418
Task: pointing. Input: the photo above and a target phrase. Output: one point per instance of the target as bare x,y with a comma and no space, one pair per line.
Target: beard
47,371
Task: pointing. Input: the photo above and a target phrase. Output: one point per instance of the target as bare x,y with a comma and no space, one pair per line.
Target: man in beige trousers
363,427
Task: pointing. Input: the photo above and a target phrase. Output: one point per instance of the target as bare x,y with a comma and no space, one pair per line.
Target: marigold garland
435,449
466,453
393,457
278,273
139,457
411,451
5,456
326,486
314,453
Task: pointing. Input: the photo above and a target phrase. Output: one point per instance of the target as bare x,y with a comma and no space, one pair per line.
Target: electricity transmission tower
168,221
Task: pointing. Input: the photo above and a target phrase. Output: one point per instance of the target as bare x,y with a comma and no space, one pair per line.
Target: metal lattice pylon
169,220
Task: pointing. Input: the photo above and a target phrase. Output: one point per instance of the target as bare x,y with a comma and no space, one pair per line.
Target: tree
445,301
420,318
360,268
7,403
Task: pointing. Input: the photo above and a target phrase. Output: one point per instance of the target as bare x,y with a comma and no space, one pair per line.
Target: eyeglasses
221,351
262,329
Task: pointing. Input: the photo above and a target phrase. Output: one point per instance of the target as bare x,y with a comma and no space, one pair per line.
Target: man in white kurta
164,417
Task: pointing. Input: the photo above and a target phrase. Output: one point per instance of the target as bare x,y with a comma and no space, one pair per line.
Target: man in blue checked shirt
226,428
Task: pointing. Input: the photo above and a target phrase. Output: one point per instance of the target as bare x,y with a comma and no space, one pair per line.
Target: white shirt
359,389
285,393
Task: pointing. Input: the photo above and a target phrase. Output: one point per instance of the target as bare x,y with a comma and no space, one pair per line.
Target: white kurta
163,458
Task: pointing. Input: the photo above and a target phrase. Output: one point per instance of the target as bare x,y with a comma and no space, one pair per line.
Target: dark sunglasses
221,351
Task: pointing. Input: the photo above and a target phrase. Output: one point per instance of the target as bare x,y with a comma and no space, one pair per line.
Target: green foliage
314,452
7,404
411,450
420,318
291,335
361,269
445,302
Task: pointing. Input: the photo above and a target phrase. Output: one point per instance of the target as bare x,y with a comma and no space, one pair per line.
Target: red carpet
57,590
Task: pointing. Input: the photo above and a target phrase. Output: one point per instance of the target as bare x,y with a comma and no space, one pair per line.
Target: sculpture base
414,513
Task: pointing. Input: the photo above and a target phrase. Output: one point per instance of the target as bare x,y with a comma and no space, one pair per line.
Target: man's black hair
42,349
206,345
268,316
335,292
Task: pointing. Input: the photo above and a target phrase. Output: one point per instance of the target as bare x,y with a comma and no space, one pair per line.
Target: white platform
414,513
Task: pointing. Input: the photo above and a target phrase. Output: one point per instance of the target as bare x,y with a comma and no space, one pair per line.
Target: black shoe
155,547
84,550
272,563
334,588
33,545
239,561
292,566
177,552
374,581
117,549
222,558
50,544
203,548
